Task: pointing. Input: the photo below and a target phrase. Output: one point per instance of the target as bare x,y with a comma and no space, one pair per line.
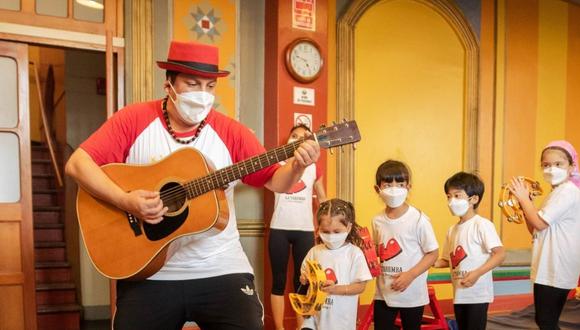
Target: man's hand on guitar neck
307,153
145,205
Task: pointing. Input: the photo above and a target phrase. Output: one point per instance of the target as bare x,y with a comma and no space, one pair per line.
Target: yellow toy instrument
312,301
510,206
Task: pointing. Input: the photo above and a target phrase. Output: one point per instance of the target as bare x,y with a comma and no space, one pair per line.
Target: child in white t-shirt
344,263
472,249
406,246
555,228
292,229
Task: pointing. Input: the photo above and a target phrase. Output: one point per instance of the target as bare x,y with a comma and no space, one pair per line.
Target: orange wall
537,91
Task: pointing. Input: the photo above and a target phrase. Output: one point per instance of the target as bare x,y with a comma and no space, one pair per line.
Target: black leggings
279,246
471,316
384,316
548,303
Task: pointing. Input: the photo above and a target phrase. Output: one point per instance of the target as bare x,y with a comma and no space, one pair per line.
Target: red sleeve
242,145
112,141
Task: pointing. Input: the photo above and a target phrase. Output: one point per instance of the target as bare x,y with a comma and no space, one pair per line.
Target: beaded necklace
172,132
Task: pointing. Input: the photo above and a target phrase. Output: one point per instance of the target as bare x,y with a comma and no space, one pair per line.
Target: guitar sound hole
173,196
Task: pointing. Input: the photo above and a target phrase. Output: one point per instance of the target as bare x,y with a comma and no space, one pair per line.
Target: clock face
305,61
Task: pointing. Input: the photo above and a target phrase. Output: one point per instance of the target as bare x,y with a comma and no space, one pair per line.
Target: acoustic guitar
122,246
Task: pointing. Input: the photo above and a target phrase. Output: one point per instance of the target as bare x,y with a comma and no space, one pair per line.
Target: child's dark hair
303,126
468,182
566,153
334,207
393,171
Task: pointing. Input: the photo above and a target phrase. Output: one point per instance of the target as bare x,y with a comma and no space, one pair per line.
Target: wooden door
17,297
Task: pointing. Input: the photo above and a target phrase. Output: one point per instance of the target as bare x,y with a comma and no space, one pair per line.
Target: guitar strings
214,178
177,193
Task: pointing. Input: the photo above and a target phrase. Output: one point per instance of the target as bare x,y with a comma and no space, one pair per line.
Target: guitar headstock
339,134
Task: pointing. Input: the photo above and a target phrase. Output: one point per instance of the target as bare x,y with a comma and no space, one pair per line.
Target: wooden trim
23,209
346,85
141,43
28,16
58,36
63,23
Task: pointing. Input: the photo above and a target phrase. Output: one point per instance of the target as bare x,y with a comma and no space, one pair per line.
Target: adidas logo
247,290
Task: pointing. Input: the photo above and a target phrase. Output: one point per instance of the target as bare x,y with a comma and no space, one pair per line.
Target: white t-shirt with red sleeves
402,243
346,265
293,210
467,246
556,249
137,134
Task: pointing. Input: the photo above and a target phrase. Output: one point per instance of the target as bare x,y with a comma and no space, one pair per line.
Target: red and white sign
304,14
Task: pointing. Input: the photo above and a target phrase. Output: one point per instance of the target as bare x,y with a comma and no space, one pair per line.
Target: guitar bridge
134,224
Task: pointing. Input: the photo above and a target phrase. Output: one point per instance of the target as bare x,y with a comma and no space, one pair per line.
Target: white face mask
333,241
394,196
458,206
555,175
193,106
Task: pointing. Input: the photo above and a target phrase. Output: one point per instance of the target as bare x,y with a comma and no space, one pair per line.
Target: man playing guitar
207,277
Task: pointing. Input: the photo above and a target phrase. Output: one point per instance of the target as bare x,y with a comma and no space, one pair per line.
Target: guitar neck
222,177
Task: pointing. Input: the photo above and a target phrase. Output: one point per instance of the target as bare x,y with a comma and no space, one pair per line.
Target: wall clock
304,60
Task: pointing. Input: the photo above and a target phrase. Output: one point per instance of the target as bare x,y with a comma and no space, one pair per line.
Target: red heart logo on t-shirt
330,275
392,250
297,187
457,255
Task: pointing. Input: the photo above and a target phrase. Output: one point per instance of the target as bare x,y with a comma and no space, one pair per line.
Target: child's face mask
394,196
458,206
555,175
333,241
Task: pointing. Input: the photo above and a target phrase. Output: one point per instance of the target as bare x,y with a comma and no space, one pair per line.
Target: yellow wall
409,105
410,98
534,58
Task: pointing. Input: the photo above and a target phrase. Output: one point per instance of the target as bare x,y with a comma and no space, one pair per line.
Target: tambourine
370,252
312,301
510,207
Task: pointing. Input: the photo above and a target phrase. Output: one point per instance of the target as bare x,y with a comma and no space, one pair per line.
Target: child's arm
497,257
319,189
346,289
441,263
404,279
533,219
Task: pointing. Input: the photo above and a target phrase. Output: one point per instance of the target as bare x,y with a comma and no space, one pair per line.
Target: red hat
193,58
